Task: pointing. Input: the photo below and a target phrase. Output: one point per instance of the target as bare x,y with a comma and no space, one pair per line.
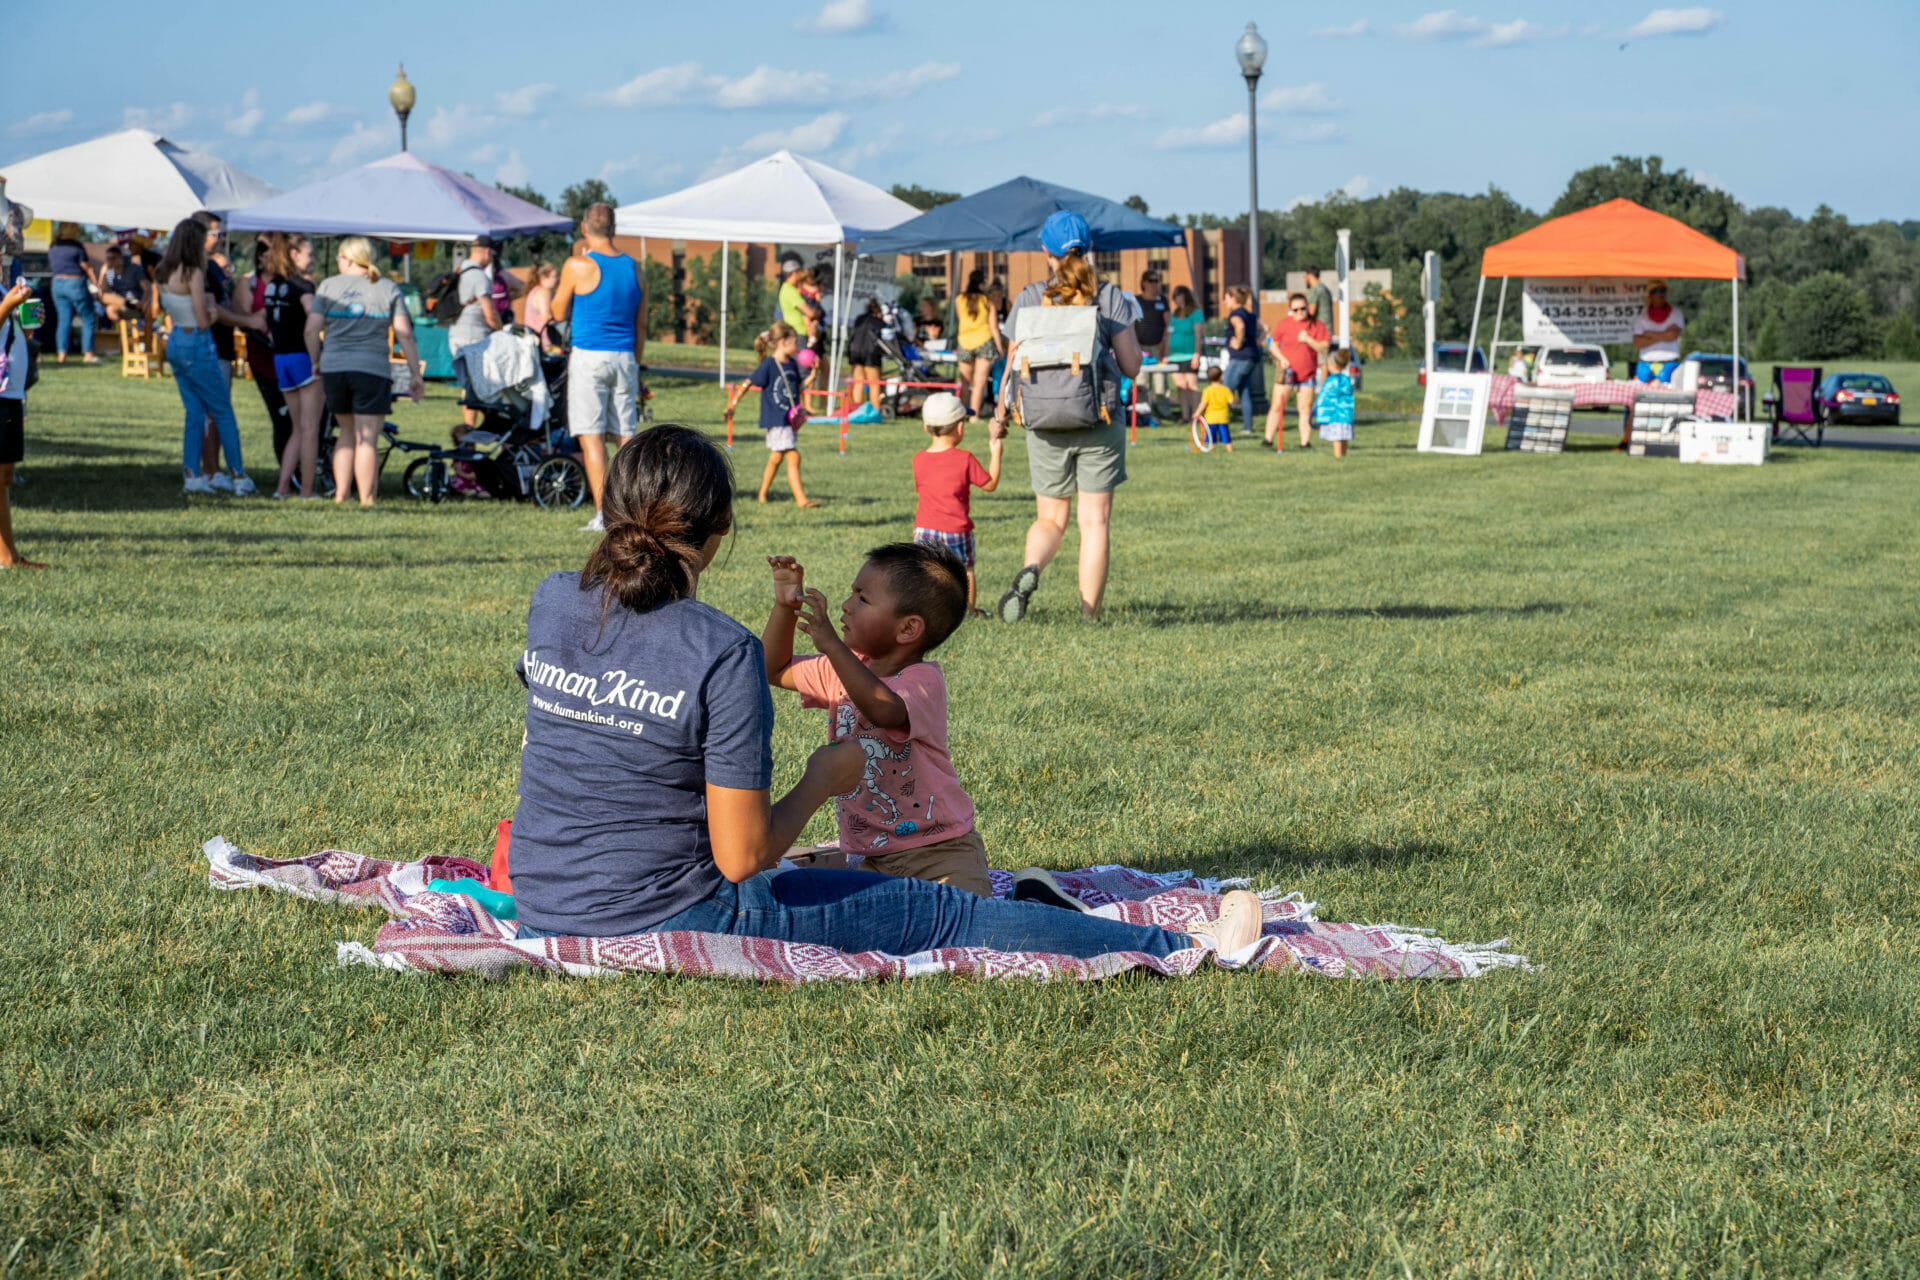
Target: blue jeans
866,911
1245,379
202,382
70,298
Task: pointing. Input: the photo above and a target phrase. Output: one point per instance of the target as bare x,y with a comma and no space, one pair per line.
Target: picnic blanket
453,933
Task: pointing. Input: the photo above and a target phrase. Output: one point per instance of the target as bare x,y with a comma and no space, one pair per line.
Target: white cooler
1728,443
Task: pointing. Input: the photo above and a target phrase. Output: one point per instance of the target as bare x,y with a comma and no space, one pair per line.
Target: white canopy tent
133,178
783,199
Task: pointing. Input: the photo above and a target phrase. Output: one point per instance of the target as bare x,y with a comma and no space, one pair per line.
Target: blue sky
1143,97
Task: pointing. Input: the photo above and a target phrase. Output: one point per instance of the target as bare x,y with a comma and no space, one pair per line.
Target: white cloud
1221,133
1519,31
448,127
814,135
311,113
249,118
1231,131
1443,24
843,18
43,122
523,101
1677,22
1301,99
690,84
1713,180
1351,29
1089,115
512,171
661,87
358,145
766,86
901,84
166,119
487,154
1356,186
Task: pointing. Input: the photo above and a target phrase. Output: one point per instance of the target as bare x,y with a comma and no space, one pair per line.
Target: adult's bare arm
749,835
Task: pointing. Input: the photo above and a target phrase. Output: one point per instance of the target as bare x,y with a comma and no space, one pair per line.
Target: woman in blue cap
1091,460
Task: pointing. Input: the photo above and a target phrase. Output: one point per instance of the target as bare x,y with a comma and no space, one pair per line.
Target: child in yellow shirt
1216,409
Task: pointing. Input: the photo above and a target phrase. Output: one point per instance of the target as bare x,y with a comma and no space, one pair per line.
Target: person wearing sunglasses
1656,335
1299,342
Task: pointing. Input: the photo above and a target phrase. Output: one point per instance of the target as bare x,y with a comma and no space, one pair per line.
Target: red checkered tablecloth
1707,404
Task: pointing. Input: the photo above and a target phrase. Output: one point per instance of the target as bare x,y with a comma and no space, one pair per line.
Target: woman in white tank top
197,370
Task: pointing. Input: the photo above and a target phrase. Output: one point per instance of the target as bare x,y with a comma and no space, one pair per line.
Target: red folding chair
1795,404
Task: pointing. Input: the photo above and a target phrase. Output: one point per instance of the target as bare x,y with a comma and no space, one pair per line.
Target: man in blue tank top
600,293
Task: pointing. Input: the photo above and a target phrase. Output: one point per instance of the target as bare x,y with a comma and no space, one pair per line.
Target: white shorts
603,393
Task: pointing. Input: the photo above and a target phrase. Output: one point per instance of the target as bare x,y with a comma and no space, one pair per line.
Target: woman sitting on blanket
644,801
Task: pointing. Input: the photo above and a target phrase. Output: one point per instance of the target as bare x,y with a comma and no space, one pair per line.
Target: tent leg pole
840,293
726,260
1499,314
1473,331
1740,413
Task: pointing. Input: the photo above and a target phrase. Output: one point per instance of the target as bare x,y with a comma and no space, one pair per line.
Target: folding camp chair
1653,429
1795,403
1540,417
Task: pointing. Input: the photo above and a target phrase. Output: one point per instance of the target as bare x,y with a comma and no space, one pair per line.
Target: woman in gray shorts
1090,462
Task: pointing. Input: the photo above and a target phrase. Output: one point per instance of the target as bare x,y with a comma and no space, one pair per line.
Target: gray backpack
1058,368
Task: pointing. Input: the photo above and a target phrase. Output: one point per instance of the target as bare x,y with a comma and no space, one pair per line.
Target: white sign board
1585,310
1454,419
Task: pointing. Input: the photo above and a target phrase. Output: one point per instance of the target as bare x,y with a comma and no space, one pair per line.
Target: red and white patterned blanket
452,933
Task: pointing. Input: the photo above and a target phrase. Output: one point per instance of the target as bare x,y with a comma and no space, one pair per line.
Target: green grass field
1654,722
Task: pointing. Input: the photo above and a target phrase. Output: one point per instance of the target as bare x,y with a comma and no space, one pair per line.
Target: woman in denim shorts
979,338
1091,462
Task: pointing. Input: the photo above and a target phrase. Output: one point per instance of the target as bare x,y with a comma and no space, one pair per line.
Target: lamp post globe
1250,50
400,95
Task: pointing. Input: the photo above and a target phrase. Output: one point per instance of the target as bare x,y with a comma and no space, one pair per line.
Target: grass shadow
1207,613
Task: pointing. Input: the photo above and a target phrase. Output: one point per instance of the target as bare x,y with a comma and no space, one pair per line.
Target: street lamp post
400,94
1251,50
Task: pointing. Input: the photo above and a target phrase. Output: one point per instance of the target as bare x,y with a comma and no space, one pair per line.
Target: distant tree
1826,317
1648,182
1901,340
1769,345
921,198
1910,229
544,246
1376,322
578,198
749,300
1137,203
912,288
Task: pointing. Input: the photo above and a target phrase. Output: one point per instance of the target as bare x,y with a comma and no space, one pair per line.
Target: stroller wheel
560,482
426,479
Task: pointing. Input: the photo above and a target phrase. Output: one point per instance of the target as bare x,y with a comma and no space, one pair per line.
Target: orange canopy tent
1617,238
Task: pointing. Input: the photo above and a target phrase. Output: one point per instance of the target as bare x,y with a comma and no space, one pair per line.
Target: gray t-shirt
630,716
1320,303
471,327
357,311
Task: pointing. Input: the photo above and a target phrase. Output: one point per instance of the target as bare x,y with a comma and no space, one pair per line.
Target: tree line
1818,288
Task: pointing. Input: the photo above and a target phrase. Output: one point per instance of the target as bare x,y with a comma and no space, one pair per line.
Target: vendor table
1708,404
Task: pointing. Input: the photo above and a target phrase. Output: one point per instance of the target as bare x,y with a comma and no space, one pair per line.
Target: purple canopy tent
400,198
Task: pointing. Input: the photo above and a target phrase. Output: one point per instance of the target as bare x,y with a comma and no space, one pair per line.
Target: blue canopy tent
1007,219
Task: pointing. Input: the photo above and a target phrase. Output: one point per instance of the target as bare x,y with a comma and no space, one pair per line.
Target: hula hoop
1202,436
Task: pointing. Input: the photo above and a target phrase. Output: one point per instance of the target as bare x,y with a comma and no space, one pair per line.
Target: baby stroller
897,347
520,448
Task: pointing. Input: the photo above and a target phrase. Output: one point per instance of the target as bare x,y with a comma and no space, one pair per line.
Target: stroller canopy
1007,219
401,198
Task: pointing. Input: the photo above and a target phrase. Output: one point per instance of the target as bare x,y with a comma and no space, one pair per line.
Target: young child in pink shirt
909,816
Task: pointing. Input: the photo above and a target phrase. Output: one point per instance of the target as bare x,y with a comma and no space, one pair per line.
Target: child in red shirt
944,477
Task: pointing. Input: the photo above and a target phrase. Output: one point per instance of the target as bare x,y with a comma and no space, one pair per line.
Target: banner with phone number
1587,310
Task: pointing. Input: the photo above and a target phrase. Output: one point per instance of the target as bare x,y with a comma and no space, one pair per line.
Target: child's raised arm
994,449
777,639
882,707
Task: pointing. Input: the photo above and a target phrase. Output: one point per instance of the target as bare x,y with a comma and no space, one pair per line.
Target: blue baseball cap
1064,232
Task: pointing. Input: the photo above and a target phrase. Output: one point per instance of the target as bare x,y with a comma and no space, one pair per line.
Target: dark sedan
1859,397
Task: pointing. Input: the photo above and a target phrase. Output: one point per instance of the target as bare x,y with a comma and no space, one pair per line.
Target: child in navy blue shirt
778,378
